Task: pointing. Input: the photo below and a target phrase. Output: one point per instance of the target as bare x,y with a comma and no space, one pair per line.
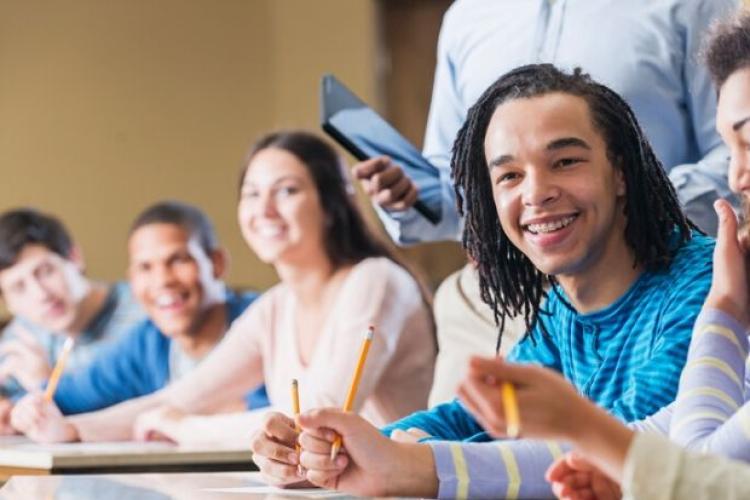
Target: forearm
114,423
416,475
658,468
712,389
500,469
226,430
603,440
448,421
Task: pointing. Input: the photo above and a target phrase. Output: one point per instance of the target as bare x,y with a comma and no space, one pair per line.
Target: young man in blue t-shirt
175,270
559,187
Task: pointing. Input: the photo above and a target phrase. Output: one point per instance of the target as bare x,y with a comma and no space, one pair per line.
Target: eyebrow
289,177
739,124
565,142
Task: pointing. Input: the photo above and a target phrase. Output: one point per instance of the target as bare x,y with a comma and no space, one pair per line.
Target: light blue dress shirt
646,50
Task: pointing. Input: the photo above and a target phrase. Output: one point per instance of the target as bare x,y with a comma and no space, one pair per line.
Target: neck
209,332
605,280
307,280
89,307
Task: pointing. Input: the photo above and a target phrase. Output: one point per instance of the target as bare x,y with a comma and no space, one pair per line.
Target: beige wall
106,106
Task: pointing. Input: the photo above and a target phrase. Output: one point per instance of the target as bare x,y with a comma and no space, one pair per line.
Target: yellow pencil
295,409
349,401
510,406
58,369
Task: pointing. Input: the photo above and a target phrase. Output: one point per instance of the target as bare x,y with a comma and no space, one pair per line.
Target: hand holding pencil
57,371
352,392
547,405
36,414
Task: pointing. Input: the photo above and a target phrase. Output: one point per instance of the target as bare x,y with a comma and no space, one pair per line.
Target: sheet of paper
272,490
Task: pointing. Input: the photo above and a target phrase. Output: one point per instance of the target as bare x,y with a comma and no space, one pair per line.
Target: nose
163,275
539,189
37,288
268,205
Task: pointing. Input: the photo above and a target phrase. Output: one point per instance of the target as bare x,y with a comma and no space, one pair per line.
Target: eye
181,258
567,162
17,288
506,177
249,194
142,267
45,269
284,191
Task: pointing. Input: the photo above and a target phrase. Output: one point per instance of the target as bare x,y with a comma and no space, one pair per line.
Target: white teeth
166,300
269,231
548,227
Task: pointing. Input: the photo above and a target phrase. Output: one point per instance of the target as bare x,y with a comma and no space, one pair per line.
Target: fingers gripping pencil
352,393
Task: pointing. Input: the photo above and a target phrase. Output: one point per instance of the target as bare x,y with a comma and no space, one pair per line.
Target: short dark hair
726,49
27,226
189,217
655,224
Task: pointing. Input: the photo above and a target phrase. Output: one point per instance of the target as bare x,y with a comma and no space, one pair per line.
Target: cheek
308,218
189,276
243,214
739,165
19,303
139,286
56,284
507,208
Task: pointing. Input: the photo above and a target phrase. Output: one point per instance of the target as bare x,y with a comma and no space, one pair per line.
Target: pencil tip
370,332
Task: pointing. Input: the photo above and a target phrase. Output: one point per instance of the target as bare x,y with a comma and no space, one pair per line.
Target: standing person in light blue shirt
43,284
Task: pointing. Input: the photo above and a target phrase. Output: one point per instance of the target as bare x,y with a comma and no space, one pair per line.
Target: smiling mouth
169,301
550,226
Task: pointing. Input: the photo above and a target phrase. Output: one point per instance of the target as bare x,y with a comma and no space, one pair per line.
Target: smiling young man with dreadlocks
559,186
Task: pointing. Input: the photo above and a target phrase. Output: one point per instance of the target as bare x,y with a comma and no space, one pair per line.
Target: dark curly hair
509,282
726,49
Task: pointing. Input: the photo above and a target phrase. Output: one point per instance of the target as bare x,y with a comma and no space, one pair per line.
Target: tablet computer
365,134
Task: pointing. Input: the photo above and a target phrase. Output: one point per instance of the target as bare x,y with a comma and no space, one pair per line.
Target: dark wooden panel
409,32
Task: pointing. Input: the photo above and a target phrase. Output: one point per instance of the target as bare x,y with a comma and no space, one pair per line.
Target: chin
58,325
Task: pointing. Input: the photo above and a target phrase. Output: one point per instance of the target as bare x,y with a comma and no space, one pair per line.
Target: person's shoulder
688,9
694,256
260,304
689,272
460,10
238,301
126,308
382,270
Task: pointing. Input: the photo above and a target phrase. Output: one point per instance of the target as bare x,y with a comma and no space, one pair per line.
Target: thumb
727,232
577,462
498,370
331,418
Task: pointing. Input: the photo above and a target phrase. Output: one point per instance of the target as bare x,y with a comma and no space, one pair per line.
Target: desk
19,456
182,486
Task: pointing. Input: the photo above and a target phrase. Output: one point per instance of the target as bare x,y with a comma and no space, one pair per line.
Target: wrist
414,472
604,441
71,433
728,306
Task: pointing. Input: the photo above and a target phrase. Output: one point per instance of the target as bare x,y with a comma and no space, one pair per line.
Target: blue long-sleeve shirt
645,50
626,357
135,365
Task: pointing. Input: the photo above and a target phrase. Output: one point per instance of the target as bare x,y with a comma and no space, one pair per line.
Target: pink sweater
261,346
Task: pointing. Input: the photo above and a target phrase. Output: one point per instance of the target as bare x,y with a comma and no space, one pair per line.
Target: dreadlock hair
509,282
727,47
